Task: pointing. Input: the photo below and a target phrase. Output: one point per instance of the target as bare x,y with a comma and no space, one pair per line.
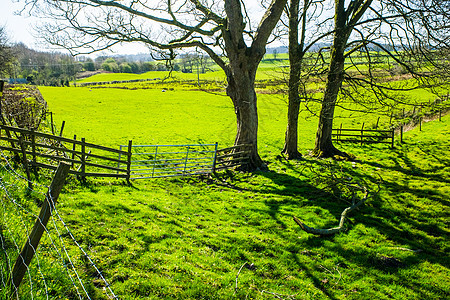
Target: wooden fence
232,157
363,136
42,150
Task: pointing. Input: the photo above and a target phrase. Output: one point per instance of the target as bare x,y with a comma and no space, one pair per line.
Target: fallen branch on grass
331,231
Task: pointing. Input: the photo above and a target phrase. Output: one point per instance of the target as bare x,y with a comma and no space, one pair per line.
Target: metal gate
153,161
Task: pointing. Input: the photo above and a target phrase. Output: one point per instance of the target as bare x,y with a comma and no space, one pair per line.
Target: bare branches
268,22
340,228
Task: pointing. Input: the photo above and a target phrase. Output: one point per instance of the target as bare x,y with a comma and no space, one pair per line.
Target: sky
17,27
20,29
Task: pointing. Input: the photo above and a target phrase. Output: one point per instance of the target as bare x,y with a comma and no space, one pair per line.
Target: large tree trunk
241,89
345,20
290,148
324,146
241,71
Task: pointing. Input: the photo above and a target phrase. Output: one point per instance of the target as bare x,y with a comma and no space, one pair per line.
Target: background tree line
25,65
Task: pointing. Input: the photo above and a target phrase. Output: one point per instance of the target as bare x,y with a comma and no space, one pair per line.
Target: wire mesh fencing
60,268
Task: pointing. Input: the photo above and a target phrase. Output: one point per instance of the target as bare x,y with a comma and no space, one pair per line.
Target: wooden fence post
392,136
401,134
130,145
420,124
74,148
376,126
362,134
340,133
51,123
2,84
25,162
83,159
186,159
62,128
29,249
213,170
33,151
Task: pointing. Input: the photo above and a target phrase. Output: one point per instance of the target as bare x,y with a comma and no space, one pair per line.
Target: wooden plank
364,136
367,142
104,167
8,139
219,157
359,130
233,147
62,139
75,152
233,160
10,149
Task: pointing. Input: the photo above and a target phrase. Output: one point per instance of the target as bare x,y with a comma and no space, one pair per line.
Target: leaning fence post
130,144
29,249
62,128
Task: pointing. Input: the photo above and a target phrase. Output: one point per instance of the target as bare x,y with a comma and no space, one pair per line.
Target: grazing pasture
232,236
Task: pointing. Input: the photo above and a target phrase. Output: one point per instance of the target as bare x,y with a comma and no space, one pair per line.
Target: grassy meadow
232,236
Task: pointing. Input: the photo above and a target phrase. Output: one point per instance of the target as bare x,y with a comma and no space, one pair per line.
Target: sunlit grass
188,238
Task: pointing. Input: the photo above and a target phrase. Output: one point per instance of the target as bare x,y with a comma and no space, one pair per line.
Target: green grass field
232,236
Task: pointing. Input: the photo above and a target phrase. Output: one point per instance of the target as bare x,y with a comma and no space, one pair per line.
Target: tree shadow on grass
389,216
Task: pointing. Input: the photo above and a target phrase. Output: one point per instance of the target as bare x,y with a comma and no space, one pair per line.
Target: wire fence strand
56,270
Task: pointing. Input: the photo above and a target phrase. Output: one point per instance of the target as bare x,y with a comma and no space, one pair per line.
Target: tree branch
331,231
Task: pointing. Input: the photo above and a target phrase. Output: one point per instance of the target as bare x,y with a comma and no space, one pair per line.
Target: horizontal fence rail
232,156
42,150
363,136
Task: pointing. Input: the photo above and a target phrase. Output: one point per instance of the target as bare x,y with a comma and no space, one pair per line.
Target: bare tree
302,18
414,34
6,54
223,29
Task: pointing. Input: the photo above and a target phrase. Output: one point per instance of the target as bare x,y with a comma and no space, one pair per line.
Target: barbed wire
17,216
